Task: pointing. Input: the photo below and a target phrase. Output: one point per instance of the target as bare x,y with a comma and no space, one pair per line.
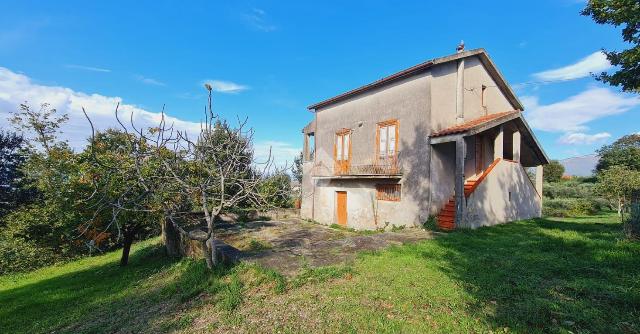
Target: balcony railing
371,166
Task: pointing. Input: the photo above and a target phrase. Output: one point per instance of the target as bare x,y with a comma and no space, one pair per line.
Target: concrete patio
289,245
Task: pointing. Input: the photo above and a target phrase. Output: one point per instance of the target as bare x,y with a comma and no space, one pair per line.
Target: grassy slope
547,275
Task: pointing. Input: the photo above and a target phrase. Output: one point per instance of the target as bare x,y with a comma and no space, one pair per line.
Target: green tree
276,190
623,152
123,208
553,171
618,184
296,169
13,153
625,13
42,125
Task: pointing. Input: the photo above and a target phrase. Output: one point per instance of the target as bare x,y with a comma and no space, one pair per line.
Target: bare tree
195,180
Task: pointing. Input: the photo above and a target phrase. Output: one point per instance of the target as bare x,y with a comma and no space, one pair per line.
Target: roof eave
484,58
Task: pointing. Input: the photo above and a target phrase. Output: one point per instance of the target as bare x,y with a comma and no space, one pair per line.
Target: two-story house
444,138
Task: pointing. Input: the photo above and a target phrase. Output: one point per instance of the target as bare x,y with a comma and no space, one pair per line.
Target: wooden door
341,207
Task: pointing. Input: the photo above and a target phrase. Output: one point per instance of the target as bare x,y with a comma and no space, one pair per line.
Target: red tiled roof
474,123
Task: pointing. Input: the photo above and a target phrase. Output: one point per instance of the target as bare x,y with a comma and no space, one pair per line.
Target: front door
341,207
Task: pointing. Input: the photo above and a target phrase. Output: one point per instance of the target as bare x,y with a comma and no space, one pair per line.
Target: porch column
305,147
516,145
459,179
498,144
539,182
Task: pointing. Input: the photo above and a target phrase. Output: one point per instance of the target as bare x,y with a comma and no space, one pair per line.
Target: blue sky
270,60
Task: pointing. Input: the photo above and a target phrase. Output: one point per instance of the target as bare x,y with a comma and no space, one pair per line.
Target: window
387,139
388,192
342,145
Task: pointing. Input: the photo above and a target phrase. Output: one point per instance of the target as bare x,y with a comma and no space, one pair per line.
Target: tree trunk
214,251
207,254
126,247
171,239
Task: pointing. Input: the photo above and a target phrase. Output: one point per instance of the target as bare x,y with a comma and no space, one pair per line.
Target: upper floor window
387,139
342,146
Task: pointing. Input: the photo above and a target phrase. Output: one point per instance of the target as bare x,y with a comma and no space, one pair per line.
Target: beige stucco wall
408,102
489,204
475,75
364,211
307,191
443,93
442,175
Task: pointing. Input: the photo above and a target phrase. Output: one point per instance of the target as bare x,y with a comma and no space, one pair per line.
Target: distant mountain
580,166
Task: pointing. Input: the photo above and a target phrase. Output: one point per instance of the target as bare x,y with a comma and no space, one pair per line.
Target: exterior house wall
422,103
443,96
491,204
364,211
443,164
307,192
476,75
443,93
407,101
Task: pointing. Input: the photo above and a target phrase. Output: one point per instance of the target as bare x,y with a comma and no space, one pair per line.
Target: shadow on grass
108,298
547,274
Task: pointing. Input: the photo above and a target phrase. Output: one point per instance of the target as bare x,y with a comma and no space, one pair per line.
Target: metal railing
369,166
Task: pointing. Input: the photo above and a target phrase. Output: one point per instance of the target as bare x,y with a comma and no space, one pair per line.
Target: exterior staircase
446,219
447,216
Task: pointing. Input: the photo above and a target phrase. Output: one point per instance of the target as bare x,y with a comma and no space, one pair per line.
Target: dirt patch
294,243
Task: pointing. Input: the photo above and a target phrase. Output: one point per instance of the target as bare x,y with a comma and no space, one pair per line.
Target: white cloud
148,81
579,138
281,153
17,88
88,68
573,113
594,63
258,19
226,86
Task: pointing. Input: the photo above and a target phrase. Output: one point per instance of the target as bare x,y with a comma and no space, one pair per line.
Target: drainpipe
315,154
460,87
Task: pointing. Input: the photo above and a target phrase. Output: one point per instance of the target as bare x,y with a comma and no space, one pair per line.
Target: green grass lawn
543,275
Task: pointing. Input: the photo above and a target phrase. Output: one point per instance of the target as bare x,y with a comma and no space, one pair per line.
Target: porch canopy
512,140
509,128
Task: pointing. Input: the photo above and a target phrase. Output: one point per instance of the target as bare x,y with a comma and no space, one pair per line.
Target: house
445,138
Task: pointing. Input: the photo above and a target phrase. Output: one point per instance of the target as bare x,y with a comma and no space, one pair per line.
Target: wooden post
459,179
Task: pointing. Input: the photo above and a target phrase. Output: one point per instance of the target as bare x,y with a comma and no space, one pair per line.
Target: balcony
371,167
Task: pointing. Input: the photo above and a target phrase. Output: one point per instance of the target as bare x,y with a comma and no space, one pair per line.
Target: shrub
570,198
17,255
571,207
